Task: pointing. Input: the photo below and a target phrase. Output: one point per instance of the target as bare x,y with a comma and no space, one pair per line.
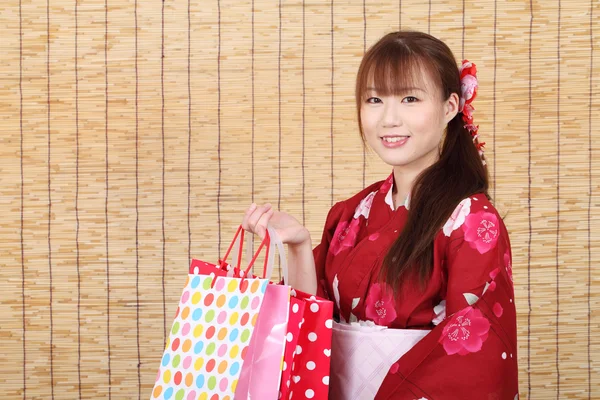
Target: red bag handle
239,232
265,242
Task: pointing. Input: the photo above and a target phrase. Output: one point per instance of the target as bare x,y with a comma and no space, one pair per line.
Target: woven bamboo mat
134,134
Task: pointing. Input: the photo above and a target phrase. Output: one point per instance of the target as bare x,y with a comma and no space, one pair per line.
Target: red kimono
468,303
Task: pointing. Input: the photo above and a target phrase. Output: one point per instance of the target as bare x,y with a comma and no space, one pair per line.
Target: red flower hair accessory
468,93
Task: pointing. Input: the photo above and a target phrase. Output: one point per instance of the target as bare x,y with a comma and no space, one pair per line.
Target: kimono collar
387,188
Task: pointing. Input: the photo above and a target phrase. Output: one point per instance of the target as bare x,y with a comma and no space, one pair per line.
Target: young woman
425,248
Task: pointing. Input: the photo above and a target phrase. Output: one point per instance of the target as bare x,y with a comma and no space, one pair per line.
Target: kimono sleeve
320,251
478,251
472,353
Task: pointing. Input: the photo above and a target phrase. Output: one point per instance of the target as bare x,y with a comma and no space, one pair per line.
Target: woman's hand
301,263
290,231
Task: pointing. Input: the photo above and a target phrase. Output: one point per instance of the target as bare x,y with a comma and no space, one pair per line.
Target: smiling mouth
394,139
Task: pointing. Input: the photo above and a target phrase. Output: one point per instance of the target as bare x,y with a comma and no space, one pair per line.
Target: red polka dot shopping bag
217,333
308,351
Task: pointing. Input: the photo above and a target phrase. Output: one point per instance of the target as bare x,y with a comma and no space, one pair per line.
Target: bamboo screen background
135,133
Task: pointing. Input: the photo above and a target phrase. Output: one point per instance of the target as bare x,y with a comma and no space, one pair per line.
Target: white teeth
394,139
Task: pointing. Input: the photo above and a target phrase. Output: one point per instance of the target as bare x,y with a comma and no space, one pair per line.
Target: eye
410,99
374,100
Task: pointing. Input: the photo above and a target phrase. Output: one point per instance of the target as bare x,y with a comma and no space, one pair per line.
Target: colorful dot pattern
204,353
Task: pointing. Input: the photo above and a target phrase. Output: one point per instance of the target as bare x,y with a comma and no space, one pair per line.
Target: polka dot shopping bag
308,352
214,325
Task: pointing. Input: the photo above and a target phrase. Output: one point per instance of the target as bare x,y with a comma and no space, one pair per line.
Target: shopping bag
311,358
296,315
304,370
261,371
211,332
362,356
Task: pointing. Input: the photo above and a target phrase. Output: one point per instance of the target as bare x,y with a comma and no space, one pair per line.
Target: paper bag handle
240,233
276,242
271,241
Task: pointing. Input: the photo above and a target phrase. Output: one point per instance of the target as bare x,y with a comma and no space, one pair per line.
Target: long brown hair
393,63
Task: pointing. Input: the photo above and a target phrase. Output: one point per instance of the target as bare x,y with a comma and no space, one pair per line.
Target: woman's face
406,130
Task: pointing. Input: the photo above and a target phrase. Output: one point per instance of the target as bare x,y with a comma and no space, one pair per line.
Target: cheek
419,123
426,121
369,123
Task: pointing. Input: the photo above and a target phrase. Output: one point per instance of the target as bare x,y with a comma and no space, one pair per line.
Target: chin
394,158
408,162
399,163
399,158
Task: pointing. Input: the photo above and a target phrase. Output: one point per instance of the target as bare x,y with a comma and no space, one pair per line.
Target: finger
251,209
263,222
247,215
255,217
252,217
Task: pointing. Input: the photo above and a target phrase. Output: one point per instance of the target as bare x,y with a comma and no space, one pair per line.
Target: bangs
393,69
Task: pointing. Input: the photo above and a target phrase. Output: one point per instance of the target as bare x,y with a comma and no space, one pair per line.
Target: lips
394,141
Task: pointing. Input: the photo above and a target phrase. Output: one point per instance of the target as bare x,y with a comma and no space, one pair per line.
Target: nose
391,113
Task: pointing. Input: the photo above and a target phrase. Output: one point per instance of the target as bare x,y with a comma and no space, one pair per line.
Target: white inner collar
390,200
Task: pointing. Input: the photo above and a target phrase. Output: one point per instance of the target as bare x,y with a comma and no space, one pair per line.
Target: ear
451,106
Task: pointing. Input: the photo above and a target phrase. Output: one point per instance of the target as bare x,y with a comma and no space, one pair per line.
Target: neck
405,176
403,182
